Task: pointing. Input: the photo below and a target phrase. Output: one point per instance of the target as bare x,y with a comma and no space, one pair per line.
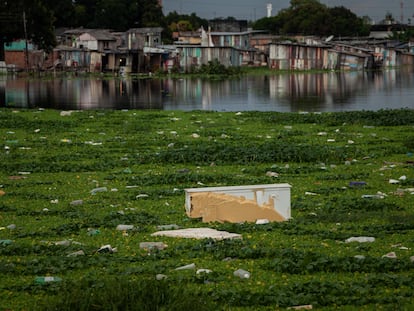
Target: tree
29,19
345,23
112,14
310,17
84,13
63,12
192,21
148,13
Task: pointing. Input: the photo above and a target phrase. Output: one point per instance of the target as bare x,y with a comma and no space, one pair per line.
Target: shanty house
195,56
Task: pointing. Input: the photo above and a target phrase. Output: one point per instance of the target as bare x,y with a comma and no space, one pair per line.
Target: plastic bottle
243,274
47,279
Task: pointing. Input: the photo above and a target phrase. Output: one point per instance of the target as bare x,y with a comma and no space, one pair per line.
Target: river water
288,92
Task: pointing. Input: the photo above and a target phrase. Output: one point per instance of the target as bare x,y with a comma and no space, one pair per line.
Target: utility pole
26,50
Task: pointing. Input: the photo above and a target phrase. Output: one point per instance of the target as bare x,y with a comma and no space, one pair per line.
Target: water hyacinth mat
82,192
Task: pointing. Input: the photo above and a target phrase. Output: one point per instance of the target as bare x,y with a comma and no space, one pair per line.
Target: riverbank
69,178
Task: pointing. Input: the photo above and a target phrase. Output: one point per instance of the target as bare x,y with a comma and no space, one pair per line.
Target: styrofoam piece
198,233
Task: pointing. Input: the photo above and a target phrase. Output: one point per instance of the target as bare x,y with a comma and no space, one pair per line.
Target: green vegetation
310,17
50,163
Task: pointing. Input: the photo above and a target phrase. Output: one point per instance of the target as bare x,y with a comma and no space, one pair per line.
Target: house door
105,62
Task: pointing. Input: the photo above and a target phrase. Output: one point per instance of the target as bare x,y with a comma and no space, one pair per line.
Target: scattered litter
391,255
198,233
66,113
75,254
394,181
402,178
124,227
153,245
76,202
99,189
186,267
200,271
310,193
107,249
5,242
262,221
92,143
11,227
63,243
92,232
55,201
2,192
373,196
360,239
243,274
141,196
47,279
359,257
272,174
160,277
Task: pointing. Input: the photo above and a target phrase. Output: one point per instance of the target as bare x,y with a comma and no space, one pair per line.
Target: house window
106,44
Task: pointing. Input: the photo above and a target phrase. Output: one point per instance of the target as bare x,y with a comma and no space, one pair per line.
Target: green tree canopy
310,17
193,21
30,19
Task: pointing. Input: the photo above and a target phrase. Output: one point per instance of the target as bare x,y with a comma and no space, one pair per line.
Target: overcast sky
252,10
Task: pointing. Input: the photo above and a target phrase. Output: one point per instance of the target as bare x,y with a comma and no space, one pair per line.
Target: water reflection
285,92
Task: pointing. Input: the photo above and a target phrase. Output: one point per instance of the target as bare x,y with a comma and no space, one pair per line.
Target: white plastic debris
200,271
186,267
262,221
99,189
243,274
107,249
75,254
160,277
198,233
391,255
142,195
360,239
272,174
124,227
